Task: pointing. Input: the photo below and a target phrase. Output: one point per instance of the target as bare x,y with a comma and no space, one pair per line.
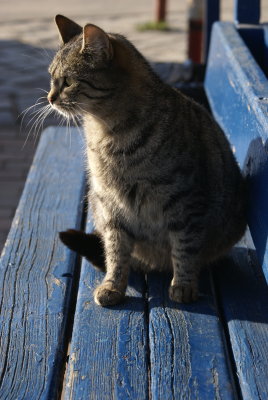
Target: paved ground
28,39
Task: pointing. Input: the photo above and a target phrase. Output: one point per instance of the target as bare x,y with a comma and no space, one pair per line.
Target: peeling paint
87,305
17,220
57,281
73,374
215,377
51,285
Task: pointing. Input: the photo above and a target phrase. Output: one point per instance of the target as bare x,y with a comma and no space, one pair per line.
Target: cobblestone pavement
28,39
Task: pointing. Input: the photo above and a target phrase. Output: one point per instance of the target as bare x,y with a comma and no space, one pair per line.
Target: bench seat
56,341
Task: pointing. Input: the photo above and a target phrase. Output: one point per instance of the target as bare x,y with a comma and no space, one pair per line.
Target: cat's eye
67,82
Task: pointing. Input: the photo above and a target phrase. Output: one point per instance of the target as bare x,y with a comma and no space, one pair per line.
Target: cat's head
92,69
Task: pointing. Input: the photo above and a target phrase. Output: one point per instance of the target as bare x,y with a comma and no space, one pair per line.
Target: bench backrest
237,88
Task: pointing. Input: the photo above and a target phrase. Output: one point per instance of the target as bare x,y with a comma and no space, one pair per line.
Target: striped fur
165,188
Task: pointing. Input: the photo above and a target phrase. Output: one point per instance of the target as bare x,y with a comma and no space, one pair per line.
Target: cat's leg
118,247
186,263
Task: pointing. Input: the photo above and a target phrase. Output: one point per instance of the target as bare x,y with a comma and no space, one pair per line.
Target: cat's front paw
184,292
108,295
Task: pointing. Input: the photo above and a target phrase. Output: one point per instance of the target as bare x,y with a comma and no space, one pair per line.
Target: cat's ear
67,28
96,40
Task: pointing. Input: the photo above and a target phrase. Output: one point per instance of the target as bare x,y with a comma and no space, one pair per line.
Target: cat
166,192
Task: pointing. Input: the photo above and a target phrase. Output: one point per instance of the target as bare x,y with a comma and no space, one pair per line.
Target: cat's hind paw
184,292
108,295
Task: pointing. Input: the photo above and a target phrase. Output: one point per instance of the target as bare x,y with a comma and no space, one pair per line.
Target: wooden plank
108,354
36,270
243,296
247,11
188,359
237,90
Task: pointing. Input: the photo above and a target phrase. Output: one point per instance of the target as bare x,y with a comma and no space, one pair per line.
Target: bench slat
36,270
188,359
243,295
237,90
108,355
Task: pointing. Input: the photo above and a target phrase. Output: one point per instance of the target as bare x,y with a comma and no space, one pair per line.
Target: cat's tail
88,245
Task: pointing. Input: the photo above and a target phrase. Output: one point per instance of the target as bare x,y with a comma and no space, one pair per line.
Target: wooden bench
57,343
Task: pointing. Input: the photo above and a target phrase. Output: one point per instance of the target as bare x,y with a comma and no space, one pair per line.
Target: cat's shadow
233,289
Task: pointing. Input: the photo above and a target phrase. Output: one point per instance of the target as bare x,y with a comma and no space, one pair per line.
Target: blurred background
28,39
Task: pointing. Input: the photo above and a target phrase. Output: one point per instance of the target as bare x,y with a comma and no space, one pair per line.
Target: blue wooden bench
56,342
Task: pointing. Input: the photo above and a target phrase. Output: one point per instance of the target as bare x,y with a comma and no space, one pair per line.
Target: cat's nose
52,97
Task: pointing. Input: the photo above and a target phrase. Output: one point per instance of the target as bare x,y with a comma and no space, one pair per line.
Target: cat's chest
125,193
136,202
142,208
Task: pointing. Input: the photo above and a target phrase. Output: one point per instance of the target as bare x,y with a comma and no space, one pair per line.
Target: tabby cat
165,190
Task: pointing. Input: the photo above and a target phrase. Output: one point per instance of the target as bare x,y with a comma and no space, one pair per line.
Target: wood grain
237,90
109,348
243,296
188,360
36,270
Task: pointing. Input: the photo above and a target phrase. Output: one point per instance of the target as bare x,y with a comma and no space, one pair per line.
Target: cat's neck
117,120
96,125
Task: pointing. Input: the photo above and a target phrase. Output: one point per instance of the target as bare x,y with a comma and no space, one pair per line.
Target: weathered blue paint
247,11
243,296
34,288
237,90
188,360
109,348
144,348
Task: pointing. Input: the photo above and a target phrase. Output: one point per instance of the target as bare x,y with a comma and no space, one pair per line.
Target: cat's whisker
70,117
40,123
35,114
30,131
73,116
46,54
43,112
38,102
69,131
67,120
32,110
43,90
